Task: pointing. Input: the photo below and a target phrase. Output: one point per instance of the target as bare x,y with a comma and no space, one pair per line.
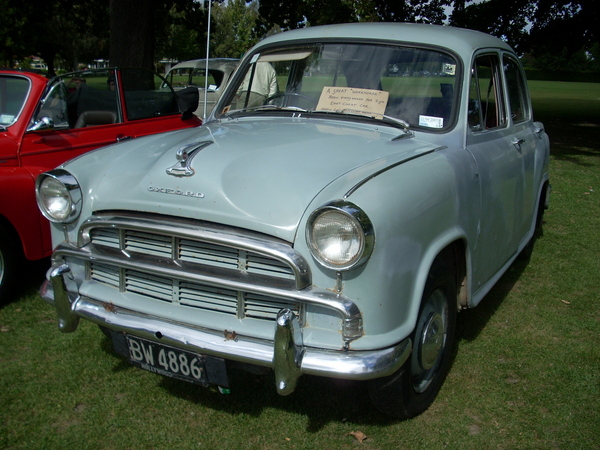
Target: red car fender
18,206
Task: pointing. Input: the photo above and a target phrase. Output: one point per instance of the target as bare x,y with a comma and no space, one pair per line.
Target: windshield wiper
388,120
398,123
233,113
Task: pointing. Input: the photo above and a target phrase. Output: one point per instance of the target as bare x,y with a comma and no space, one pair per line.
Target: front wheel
411,390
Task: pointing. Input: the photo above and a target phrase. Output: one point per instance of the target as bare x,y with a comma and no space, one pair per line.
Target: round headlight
58,196
340,235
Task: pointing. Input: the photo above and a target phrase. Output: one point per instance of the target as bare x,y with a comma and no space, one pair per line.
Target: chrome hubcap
432,340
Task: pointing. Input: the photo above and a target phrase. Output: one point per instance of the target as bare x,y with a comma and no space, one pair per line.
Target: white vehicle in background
192,73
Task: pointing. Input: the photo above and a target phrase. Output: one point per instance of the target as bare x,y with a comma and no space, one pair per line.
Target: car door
500,150
150,105
524,137
85,112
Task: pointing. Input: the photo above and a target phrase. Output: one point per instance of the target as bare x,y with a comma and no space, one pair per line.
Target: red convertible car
45,122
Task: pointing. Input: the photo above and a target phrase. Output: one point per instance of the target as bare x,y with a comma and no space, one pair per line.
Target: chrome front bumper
286,354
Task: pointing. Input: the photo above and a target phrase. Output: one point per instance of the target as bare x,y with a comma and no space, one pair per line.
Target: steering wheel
283,102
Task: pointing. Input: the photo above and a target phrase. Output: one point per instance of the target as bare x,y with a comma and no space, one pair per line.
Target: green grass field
526,373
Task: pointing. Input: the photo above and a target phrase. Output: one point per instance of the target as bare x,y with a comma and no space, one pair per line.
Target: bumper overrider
286,354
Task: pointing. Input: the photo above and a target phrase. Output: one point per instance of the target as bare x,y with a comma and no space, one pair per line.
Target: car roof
213,63
461,40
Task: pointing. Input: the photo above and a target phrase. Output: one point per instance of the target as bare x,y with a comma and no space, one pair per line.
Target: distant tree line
559,35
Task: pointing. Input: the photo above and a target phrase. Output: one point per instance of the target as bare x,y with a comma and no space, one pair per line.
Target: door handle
517,143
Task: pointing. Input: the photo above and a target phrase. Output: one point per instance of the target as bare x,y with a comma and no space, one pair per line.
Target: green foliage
553,34
526,373
176,39
234,30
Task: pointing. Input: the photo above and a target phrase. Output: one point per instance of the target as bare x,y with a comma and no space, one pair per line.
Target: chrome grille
163,249
188,250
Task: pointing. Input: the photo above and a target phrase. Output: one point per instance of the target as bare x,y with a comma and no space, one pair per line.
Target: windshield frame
269,53
16,116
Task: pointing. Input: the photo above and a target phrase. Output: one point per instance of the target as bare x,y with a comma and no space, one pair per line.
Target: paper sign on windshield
363,101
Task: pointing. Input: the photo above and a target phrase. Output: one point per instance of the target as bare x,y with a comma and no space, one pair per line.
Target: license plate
172,362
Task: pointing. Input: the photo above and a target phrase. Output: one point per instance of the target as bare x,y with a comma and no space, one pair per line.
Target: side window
517,90
198,79
91,98
486,108
146,95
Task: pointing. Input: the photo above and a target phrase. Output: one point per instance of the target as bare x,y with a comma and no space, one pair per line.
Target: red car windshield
13,93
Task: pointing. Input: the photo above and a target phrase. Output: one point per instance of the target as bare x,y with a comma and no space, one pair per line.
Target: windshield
415,85
13,94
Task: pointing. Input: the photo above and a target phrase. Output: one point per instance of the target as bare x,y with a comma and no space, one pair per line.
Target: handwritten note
361,101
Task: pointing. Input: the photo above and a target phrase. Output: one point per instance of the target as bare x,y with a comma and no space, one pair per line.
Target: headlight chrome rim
356,220
66,189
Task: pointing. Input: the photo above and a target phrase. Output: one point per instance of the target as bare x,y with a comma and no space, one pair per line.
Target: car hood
260,174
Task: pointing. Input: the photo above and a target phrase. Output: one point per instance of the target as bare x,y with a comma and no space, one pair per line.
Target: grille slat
149,244
105,274
205,253
185,293
148,285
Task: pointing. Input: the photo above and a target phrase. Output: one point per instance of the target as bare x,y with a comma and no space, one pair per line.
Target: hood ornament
184,157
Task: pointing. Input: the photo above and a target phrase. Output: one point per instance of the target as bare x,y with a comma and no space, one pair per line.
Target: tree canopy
550,34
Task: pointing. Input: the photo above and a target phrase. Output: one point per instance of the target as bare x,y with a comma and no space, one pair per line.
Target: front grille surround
187,269
263,291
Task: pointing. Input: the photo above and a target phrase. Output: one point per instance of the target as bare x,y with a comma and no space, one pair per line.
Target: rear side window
147,95
517,90
13,94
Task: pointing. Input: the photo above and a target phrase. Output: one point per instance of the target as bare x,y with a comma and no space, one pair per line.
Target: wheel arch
451,253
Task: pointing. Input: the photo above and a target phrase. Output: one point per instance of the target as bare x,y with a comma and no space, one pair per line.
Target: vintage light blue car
355,187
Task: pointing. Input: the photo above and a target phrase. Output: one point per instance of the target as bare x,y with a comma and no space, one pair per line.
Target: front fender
18,206
417,209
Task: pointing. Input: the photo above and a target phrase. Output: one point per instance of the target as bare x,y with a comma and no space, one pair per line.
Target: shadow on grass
320,400
32,275
574,132
471,322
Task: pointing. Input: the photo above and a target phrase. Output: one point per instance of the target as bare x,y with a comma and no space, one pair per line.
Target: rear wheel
412,389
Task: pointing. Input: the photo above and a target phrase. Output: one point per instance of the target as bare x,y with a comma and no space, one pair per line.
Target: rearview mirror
187,100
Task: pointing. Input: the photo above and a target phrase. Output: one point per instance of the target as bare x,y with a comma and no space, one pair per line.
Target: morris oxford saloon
45,122
354,188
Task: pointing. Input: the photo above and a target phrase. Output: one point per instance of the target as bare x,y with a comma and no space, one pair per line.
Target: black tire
413,388
11,259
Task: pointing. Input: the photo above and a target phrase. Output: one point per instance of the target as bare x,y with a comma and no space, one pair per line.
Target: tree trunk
132,33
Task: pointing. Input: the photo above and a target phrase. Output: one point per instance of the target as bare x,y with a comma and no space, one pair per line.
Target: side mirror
187,100
45,123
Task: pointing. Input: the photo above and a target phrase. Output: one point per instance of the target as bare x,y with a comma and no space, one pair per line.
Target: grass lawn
526,373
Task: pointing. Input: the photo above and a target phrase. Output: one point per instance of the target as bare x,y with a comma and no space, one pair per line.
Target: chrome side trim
385,169
351,365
